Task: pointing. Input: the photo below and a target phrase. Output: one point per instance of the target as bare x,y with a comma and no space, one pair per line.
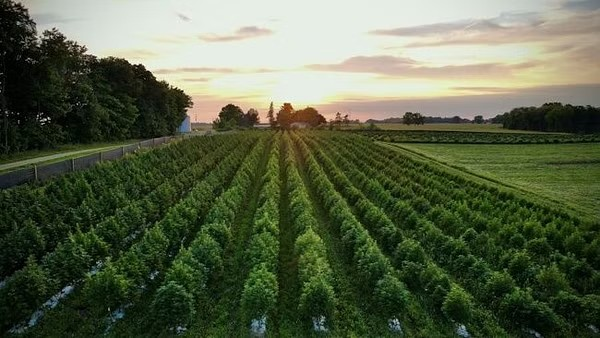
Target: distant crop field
470,137
568,173
286,234
468,127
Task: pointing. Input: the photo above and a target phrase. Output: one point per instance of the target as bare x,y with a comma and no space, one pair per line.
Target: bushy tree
391,295
458,305
498,285
260,293
28,288
309,115
250,118
413,118
284,116
317,297
519,309
172,306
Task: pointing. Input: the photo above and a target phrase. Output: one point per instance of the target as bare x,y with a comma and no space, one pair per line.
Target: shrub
391,295
260,293
317,298
458,305
172,306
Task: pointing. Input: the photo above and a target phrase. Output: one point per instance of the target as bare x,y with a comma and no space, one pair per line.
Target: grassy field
569,173
65,148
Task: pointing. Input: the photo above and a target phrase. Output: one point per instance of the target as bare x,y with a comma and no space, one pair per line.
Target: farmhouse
299,125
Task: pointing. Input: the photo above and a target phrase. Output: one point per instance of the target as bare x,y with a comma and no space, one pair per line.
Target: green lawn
567,173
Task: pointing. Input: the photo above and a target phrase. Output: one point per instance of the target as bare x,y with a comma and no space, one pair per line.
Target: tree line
554,117
52,91
232,116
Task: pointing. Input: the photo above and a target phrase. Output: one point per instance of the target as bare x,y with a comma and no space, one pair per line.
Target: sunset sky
371,59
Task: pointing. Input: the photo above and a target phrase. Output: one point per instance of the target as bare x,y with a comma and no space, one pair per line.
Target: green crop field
466,127
471,137
566,173
291,234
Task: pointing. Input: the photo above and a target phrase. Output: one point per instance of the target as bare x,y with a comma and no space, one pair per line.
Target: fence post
35,173
72,164
122,151
100,157
153,141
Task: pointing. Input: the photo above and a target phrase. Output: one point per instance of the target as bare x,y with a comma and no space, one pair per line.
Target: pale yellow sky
367,58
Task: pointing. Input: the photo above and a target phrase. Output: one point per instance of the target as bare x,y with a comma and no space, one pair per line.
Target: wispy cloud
507,28
134,53
243,33
406,67
183,17
195,79
193,70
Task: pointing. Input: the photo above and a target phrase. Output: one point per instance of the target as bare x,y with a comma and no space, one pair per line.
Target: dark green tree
172,306
250,118
284,116
271,116
458,305
478,119
18,51
229,117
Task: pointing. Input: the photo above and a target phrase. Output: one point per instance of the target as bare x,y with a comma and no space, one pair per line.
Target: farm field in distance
294,233
566,173
466,127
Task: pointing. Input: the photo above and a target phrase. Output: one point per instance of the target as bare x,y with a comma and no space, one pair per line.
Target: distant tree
455,119
309,115
478,119
418,118
346,120
499,118
338,120
284,117
554,116
271,116
250,118
229,117
413,118
407,118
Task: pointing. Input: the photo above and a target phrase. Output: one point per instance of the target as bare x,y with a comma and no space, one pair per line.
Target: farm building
186,125
300,125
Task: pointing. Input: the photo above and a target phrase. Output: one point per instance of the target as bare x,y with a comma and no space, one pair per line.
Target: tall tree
284,117
271,116
18,46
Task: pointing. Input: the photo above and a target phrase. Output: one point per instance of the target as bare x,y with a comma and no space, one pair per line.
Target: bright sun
301,88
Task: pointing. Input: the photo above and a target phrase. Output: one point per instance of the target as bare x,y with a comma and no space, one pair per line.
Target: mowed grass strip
566,173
